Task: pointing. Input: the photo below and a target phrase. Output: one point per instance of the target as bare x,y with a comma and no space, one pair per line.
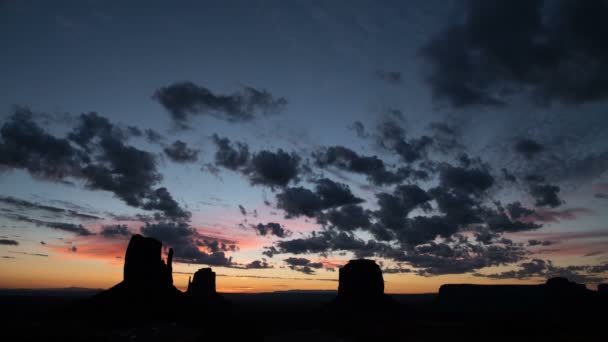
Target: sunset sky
450,141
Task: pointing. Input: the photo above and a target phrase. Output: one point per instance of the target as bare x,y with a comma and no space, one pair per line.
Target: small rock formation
201,296
203,284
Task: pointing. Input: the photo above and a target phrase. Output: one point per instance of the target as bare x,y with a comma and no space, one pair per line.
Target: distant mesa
557,295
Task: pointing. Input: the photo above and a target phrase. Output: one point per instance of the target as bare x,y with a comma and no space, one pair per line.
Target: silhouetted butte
147,280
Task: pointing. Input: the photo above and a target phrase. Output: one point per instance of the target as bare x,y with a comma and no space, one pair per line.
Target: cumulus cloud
303,265
179,152
546,195
228,155
392,137
298,201
547,51
273,168
27,205
271,228
528,148
185,99
258,264
374,168
25,145
119,230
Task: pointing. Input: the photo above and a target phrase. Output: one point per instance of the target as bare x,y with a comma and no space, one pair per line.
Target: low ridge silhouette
147,300
556,296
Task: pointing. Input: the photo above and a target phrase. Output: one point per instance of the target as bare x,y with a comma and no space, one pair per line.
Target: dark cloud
467,180
334,194
24,145
32,254
122,169
258,264
500,222
27,205
93,126
77,229
517,211
534,242
215,246
153,136
394,208
348,160
392,137
528,148
299,201
548,215
328,194
161,200
534,178
242,210
446,138
183,239
601,196
303,265
119,230
185,99
179,152
9,242
229,156
546,195
273,168
549,51
271,228
508,176
348,217
462,257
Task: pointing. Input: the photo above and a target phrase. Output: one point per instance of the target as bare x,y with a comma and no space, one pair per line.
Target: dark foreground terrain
59,315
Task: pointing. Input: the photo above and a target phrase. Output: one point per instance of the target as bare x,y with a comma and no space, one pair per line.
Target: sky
450,141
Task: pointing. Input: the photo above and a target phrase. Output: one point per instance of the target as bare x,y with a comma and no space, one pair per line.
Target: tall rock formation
144,267
147,285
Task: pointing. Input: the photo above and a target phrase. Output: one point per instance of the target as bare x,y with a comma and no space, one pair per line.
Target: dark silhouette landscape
303,170
146,306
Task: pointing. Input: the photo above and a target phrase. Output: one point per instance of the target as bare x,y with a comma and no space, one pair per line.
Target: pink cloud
547,215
